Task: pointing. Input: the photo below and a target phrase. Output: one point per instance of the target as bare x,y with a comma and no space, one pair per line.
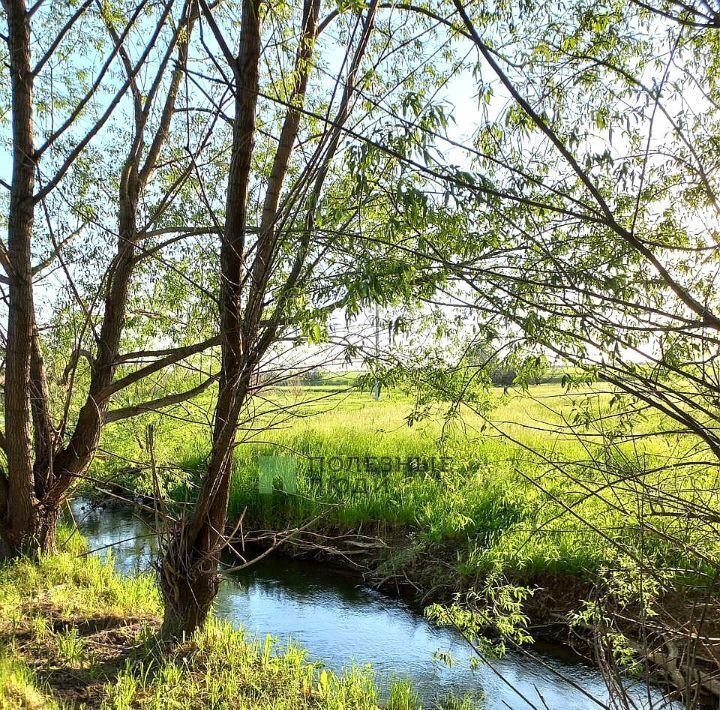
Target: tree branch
82,144
628,236
152,405
60,36
174,356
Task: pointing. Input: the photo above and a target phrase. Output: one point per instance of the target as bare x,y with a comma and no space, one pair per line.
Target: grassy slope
73,634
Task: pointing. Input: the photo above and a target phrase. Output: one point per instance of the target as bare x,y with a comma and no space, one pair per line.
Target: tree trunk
38,535
190,563
20,525
188,586
41,470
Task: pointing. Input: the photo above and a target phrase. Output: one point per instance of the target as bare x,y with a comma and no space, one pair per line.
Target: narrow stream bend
341,623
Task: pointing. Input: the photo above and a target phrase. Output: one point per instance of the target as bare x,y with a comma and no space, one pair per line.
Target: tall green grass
220,668
20,686
53,617
521,493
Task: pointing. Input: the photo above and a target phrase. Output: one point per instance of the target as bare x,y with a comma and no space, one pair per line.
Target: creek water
342,623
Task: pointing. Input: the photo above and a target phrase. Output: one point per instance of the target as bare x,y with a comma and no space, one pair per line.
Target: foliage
494,609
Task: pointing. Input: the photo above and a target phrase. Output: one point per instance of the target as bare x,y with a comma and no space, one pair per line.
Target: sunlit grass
71,584
53,617
219,667
20,687
527,486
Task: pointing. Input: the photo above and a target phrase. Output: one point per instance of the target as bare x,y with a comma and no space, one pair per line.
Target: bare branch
81,145
60,35
153,405
176,355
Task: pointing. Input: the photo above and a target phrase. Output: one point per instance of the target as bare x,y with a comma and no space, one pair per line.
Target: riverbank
563,612
342,621
526,495
435,510
75,634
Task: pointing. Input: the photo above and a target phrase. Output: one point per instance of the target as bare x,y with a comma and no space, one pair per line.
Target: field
522,484
518,505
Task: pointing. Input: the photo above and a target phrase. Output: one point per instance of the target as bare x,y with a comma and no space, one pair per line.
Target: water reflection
343,623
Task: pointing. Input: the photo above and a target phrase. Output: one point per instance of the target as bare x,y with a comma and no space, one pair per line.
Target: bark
38,538
189,565
188,591
20,514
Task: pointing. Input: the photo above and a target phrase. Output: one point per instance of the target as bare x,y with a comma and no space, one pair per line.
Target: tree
590,198
47,449
299,197
251,276
581,225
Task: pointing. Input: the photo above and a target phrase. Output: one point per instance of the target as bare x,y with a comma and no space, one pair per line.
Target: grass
70,584
20,688
73,633
526,491
220,668
549,483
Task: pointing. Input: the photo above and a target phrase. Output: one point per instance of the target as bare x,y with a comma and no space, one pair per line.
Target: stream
341,623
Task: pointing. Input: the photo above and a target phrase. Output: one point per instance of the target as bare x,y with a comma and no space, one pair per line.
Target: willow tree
64,222
583,226
607,199
305,85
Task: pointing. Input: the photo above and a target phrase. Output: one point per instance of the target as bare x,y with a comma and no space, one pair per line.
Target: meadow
546,480
491,504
